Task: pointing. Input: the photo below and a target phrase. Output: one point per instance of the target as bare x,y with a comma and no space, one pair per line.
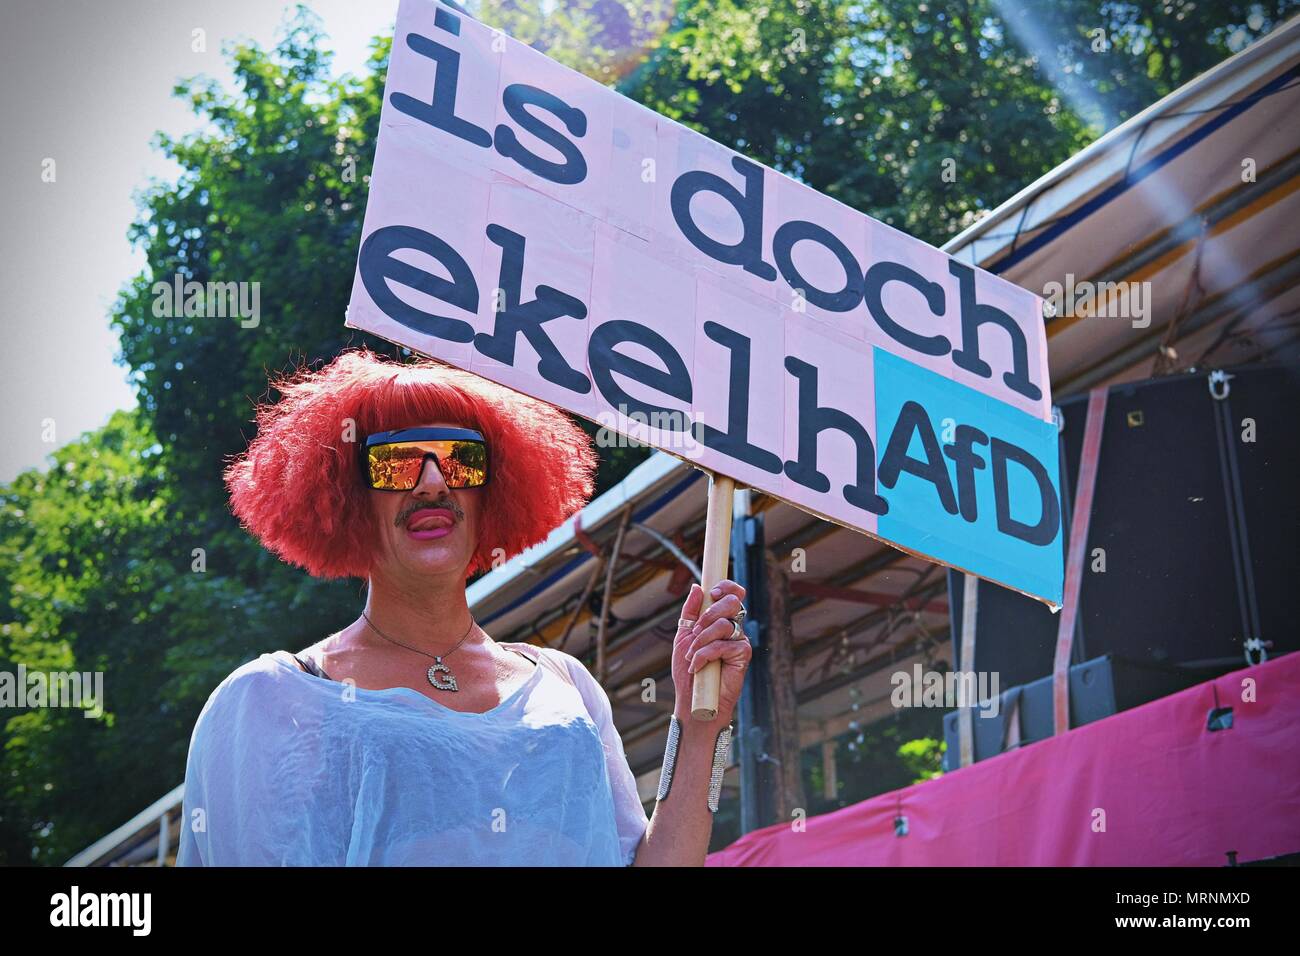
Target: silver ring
738,632
682,622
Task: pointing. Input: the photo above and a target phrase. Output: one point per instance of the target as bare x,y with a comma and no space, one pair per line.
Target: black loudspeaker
1196,512
1098,688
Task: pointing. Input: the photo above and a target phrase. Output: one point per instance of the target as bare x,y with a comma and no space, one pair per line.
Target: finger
727,651
691,606
728,606
718,631
727,586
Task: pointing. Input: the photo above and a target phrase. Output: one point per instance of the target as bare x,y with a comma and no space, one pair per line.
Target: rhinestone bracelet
721,750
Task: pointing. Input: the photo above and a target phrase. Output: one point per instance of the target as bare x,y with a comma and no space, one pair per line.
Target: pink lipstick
429,523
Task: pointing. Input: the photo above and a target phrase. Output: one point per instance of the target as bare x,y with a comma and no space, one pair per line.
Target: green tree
103,579
927,114
271,192
90,562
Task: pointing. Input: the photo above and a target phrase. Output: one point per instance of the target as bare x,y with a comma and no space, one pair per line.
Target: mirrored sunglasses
394,459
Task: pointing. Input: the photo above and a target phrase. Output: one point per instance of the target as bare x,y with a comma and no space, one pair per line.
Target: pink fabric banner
1167,791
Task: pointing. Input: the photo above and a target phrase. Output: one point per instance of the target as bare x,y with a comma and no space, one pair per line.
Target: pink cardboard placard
539,229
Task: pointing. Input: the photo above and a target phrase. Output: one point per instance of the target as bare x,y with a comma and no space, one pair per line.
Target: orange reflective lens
394,460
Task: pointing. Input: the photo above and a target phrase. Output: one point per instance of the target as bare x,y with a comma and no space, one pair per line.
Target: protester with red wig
411,737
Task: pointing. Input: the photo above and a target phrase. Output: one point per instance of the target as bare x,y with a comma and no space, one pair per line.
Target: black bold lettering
735,440
813,420
514,99
797,230
974,315
748,252
441,112
874,282
528,317
673,379
1045,531
377,265
963,453
912,418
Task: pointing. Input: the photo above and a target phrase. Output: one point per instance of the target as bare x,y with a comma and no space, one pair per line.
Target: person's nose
431,483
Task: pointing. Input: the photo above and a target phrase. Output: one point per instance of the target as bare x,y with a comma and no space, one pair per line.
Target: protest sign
537,228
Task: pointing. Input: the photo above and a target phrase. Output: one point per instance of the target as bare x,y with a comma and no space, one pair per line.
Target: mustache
412,508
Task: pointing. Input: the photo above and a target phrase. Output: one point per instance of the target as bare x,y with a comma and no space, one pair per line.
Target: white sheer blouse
287,768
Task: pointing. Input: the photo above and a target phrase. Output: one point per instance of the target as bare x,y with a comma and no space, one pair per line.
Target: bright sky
87,83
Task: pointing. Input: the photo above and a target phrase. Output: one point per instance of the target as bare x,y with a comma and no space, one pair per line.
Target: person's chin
432,554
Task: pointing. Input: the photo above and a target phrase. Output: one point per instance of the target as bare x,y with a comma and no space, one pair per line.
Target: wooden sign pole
717,549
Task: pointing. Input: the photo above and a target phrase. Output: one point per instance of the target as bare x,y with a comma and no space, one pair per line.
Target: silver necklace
438,667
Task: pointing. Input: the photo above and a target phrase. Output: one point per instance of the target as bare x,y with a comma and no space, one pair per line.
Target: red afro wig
299,488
